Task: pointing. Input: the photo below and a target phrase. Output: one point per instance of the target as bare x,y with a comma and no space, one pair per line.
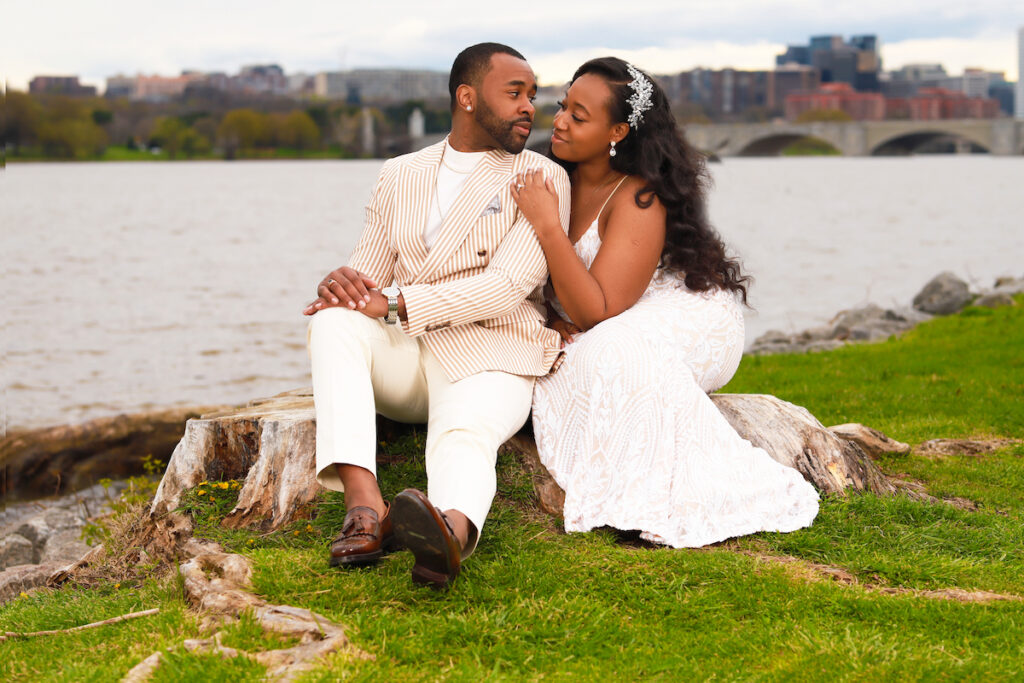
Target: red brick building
860,106
930,104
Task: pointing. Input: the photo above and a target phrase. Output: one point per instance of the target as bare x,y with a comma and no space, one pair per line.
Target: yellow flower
224,485
296,533
212,498
204,483
309,527
252,541
201,492
23,594
116,586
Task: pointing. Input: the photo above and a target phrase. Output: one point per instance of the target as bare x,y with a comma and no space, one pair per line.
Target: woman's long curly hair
673,171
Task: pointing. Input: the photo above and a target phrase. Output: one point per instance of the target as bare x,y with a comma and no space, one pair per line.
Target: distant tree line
65,127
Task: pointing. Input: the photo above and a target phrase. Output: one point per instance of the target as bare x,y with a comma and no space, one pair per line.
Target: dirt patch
975,447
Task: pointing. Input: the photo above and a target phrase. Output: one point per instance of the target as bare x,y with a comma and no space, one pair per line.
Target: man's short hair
472,64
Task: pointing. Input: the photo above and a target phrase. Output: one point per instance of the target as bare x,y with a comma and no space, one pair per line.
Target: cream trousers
363,366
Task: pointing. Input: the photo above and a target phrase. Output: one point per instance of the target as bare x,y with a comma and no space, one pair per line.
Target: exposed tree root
813,571
218,585
976,447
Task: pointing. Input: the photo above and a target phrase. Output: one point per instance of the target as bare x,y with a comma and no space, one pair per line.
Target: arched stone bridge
1002,137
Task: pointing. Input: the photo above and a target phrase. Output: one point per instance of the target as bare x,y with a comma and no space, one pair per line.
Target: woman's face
583,127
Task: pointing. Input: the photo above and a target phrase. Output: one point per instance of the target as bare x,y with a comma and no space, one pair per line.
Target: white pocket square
493,207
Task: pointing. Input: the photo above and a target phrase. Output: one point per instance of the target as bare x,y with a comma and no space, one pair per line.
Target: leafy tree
167,133
22,116
299,131
241,130
826,115
102,117
192,143
75,138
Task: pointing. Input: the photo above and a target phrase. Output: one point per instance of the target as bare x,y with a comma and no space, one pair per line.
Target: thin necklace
437,198
454,170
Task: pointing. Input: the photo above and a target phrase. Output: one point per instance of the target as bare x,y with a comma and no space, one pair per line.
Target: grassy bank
534,603
121,153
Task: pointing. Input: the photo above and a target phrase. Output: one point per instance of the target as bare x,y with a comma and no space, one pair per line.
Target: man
455,337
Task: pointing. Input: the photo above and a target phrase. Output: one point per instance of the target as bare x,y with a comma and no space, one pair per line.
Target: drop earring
611,152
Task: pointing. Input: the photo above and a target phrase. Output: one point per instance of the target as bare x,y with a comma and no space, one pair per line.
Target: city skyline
656,34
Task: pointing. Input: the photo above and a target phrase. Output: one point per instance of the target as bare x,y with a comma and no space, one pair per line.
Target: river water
137,285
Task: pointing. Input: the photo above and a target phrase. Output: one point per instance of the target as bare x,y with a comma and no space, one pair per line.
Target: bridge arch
908,142
772,145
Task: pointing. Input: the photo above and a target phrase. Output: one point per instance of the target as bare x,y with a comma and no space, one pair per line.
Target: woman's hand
535,196
565,329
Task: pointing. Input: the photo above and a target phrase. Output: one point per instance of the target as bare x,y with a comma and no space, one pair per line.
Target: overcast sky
94,40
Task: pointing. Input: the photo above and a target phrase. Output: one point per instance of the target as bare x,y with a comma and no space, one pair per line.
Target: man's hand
343,287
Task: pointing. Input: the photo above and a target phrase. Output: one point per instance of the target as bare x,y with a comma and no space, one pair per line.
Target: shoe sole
416,528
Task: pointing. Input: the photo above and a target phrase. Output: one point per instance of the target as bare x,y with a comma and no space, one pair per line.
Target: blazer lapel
487,180
415,191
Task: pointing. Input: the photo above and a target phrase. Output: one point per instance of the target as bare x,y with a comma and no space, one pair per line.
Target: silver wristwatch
392,294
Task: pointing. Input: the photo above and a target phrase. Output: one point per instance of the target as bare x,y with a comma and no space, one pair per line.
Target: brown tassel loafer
364,538
423,529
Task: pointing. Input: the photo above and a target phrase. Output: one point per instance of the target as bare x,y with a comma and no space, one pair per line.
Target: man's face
505,102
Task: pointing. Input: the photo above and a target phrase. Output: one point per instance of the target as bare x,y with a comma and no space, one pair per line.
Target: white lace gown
626,428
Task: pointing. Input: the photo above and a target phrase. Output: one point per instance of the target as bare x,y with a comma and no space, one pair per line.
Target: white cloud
97,40
557,68
996,53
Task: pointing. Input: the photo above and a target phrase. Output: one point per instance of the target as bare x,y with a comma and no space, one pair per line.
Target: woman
648,306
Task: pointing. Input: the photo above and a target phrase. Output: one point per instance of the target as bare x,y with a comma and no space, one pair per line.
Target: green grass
810,147
533,603
958,376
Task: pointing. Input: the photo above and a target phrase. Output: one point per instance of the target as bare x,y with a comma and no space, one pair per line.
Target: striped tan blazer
474,297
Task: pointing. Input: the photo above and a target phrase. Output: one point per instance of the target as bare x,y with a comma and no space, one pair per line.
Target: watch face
390,291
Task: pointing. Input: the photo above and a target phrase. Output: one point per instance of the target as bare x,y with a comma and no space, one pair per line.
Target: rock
824,345
1004,280
16,550
42,462
23,578
774,337
871,441
820,333
1009,285
995,300
271,445
943,295
63,547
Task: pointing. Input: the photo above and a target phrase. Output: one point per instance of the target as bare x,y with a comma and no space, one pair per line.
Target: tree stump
271,444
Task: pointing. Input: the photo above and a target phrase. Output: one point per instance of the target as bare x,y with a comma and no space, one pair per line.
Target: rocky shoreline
39,537
944,294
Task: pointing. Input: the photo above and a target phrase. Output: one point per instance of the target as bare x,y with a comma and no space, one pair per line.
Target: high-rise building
60,85
1019,109
856,61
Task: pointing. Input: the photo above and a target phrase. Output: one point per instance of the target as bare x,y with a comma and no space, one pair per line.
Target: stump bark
271,444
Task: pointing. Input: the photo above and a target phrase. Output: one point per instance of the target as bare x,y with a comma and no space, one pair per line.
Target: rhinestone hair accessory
640,100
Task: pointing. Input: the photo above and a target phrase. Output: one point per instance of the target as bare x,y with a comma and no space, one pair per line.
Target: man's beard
499,129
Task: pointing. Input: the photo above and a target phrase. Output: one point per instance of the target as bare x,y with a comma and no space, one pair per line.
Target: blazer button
482,252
